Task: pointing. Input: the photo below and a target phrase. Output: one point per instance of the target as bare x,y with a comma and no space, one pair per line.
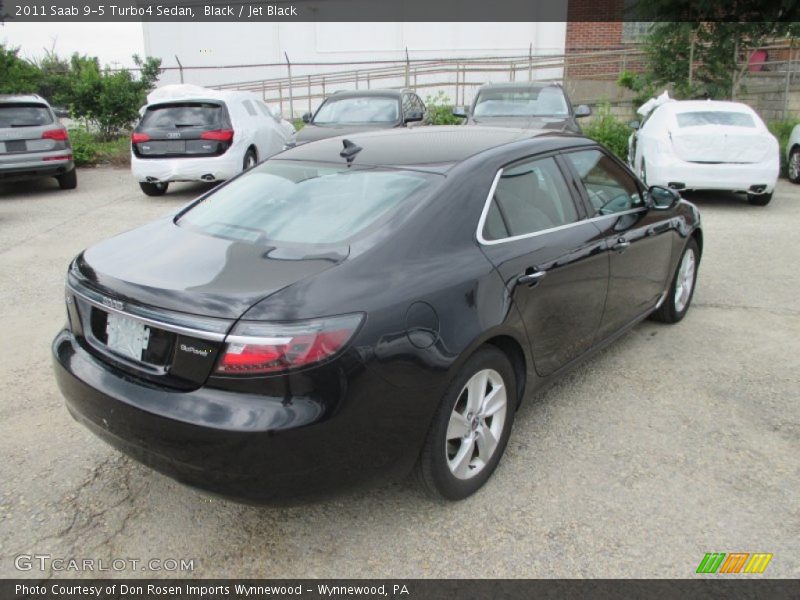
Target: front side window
294,202
373,109
529,197
544,102
714,117
610,187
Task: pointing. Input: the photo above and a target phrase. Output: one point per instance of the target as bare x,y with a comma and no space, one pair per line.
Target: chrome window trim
487,203
88,296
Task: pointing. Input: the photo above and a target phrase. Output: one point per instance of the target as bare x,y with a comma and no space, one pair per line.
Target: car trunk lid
158,301
716,136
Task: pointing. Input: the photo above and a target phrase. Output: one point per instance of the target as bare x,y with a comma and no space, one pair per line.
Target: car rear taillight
255,348
219,135
139,137
59,135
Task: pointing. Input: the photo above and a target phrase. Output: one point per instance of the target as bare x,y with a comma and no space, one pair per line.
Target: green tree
109,101
704,57
17,75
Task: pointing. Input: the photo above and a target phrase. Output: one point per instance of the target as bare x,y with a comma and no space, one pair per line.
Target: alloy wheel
684,281
794,166
476,424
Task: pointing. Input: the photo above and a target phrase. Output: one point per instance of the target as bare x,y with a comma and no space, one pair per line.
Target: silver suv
33,143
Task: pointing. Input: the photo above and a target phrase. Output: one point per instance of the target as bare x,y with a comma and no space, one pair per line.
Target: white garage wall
215,44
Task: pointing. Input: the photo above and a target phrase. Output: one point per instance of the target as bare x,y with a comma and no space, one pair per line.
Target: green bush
88,150
782,130
440,110
84,146
609,131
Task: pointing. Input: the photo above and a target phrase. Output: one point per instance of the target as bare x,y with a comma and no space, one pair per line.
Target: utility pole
180,67
291,92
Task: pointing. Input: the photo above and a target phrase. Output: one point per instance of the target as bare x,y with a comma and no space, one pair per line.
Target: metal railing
296,93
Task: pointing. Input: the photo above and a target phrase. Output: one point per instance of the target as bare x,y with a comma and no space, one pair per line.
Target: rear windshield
183,114
296,202
24,115
373,109
545,102
715,117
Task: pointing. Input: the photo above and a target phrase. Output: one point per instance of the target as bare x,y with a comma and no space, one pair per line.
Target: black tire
432,470
759,199
154,189
250,159
670,312
68,181
793,168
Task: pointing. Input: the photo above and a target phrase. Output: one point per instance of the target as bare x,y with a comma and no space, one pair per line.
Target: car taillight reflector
261,348
139,137
219,135
63,157
59,135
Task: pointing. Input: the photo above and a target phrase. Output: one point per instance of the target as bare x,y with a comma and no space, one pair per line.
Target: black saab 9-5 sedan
355,309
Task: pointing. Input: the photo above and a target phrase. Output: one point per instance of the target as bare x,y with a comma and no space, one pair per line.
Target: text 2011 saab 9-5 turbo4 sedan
355,309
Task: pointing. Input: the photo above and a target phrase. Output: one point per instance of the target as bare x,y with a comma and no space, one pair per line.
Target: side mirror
307,117
460,111
633,124
662,198
60,112
414,115
582,111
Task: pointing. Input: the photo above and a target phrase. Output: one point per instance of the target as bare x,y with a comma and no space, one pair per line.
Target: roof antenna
350,150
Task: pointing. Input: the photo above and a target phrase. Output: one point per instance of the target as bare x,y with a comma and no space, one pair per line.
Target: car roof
519,85
695,105
360,93
23,98
434,148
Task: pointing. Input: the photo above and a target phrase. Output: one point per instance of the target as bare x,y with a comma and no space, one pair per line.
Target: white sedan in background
705,145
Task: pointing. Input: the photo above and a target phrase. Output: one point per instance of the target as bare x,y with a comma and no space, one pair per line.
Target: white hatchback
705,145
189,133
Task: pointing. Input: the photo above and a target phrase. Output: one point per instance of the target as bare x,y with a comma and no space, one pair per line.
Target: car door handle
621,245
531,278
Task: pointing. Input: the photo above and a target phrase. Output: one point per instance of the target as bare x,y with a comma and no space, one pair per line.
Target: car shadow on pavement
30,187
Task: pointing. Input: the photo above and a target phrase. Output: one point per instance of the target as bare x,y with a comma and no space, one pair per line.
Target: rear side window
24,115
714,117
610,187
295,202
529,197
183,114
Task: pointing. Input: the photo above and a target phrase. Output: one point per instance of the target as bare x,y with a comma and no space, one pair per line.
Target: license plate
126,337
176,146
16,146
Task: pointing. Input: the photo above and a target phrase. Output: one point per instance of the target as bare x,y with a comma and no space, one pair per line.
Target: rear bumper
34,167
247,447
219,168
735,177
